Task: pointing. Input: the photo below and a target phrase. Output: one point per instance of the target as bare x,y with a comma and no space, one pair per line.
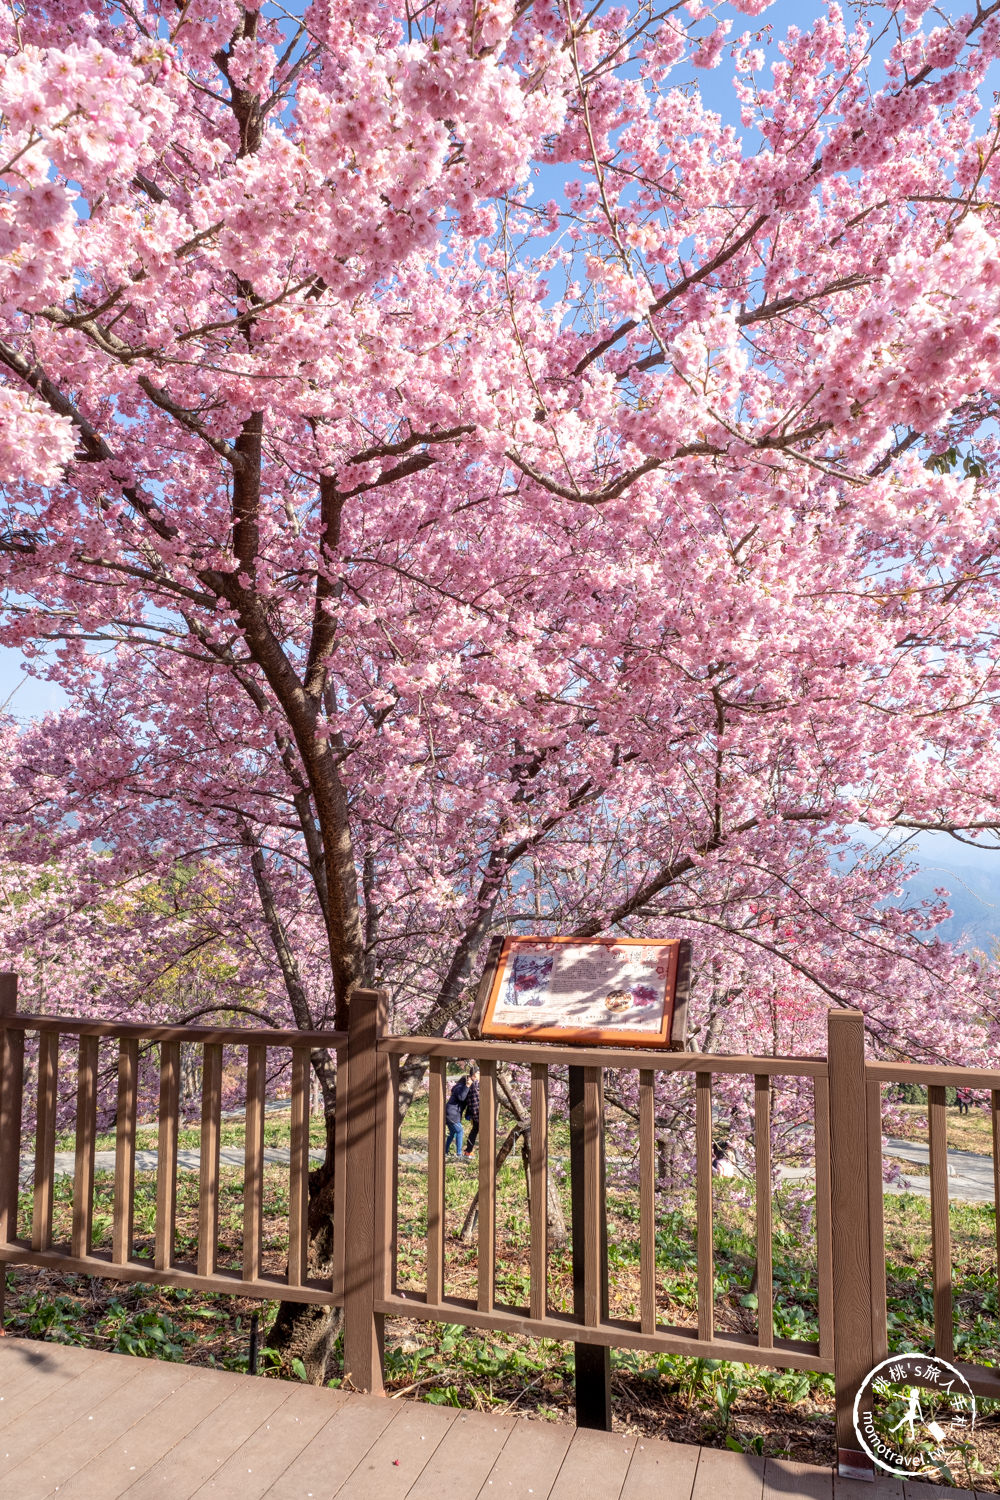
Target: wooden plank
595,1463
737,1476
69,1446
11,1092
435,1179
253,1162
64,1404
852,1343
824,1232
615,1333
193,1461
944,1325
916,1489
530,1460
886,1487
298,1170
466,1453
797,1481
660,1470
486,1271
45,1141
208,1201
251,1469
166,1154
369,1070
113,1471
124,1203
538,1175
554,1055
647,1201
136,1031
81,1234
703,1190
876,1222
337,1449
31,1372
762,1165
398,1456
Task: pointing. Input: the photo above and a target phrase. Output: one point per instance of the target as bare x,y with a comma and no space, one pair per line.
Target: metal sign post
592,1361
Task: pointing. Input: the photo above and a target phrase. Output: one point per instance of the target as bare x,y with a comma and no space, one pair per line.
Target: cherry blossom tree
489,489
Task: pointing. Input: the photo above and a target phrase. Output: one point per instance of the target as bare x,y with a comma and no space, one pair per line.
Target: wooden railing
850,1266
984,1380
120,1261
538,1318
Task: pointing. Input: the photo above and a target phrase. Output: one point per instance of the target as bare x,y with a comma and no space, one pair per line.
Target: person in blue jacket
453,1112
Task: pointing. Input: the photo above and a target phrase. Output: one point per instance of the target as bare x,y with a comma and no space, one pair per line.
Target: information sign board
623,992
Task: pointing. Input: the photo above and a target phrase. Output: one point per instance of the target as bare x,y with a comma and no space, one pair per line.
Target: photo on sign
620,990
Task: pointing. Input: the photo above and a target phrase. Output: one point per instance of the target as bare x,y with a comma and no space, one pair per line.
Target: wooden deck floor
92,1426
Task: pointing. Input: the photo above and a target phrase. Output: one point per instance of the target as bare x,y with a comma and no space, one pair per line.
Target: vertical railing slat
166,1154
125,1128
435,1180
45,1140
298,1171
11,1100
340,1177
762,1163
824,1231
876,1230
208,1196
944,1335
706,1257
81,1235
647,1201
538,1175
486,1274
253,1162
386,1090
594,1258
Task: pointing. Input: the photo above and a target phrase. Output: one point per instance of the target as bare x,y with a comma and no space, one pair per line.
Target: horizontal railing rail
553,1054
231,1036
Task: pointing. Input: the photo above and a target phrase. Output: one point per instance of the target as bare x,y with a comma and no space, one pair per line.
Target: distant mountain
972,879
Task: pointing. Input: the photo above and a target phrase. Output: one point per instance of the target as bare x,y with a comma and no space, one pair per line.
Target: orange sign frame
499,978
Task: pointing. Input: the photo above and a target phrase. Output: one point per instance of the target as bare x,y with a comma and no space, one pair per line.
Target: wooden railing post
850,1165
365,1199
592,1362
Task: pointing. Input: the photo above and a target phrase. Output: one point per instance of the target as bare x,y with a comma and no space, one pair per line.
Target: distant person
963,1098
472,1108
453,1112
